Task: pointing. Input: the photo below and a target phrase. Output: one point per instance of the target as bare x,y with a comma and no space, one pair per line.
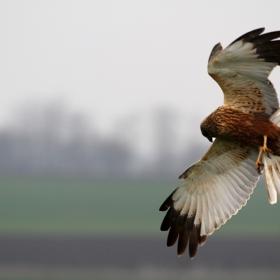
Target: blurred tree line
48,140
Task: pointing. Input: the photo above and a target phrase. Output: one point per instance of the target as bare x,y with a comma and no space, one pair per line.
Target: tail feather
272,177
272,168
275,118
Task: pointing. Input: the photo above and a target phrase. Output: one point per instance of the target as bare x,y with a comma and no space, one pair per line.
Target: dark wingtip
202,239
193,242
181,227
247,37
266,47
169,219
182,243
173,235
265,37
167,203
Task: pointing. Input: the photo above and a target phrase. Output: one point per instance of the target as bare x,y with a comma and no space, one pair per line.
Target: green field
111,207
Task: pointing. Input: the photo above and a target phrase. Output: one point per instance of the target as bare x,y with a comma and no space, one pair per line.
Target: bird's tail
272,168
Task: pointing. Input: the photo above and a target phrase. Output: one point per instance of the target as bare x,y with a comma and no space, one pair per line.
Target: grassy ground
98,207
114,207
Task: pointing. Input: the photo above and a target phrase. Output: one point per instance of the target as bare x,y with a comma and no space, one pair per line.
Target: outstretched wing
214,189
242,71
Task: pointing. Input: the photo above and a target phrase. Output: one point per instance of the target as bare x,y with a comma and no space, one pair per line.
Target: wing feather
235,190
232,182
193,207
242,71
197,220
205,221
186,207
249,35
216,206
228,201
214,189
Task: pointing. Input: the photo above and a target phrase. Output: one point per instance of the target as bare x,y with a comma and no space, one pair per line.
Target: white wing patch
243,77
217,188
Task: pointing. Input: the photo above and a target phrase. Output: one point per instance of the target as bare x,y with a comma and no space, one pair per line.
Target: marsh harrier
247,141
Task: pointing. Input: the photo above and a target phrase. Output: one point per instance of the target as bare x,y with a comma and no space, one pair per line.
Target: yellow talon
259,164
263,149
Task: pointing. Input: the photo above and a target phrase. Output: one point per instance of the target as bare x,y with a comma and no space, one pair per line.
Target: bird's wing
214,189
242,71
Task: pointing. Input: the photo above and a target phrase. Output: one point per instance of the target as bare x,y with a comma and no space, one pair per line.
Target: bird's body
246,129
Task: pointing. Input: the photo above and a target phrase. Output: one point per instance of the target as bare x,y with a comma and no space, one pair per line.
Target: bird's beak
210,138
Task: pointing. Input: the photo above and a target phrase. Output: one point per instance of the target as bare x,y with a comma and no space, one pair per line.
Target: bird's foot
259,166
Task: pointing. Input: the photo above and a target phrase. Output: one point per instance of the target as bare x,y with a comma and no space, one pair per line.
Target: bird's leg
263,149
259,163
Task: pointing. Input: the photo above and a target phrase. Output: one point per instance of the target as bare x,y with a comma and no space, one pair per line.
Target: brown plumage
247,128
220,183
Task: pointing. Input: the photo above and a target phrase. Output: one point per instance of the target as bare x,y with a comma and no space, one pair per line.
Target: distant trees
47,140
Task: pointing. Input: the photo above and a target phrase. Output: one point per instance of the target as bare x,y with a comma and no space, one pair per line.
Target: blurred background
100,108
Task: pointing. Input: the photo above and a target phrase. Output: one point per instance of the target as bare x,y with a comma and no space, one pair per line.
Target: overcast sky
117,59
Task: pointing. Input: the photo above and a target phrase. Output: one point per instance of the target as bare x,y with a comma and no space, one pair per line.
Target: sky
119,61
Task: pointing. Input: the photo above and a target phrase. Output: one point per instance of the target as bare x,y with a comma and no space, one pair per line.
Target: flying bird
247,142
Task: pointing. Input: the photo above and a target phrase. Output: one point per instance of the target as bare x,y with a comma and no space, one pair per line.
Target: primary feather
217,186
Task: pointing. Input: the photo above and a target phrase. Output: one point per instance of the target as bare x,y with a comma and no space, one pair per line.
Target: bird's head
207,134
206,130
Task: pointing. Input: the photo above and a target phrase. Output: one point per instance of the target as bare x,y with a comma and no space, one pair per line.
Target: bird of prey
247,142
